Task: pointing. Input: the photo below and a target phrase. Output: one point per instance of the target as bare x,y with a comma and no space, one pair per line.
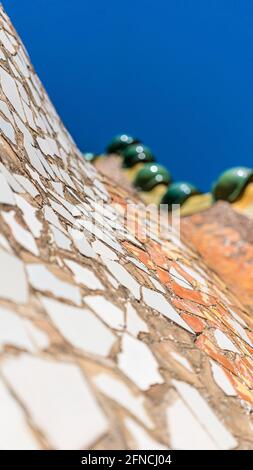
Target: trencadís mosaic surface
107,341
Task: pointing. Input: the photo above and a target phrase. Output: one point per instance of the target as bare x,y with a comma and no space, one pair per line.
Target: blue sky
178,74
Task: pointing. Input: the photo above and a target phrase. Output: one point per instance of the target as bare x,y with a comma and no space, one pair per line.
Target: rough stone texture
108,339
225,239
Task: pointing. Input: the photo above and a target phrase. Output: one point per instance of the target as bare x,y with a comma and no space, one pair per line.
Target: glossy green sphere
136,153
178,193
231,183
120,142
90,157
150,175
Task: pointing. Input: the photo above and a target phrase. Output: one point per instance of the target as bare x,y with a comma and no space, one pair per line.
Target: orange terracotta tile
243,392
140,254
224,316
188,306
184,274
244,371
194,295
204,343
195,323
157,255
244,347
164,276
212,320
250,335
249,362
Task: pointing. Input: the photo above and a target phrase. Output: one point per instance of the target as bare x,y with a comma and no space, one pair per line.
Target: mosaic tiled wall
106,341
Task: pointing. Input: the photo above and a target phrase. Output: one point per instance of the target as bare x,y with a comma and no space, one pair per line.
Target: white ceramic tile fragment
182,360
5,110
185,431
80,327
135,324
29,115
20,332
60,239
7,129
100,220
35,95
142,440
82,207
48,146
6,194
4,243
63,212
11,92
138,363
105,211
123,277
12,269
196,276
100,186
240,330
58,187
118,391
127,236
137,263
222,380
29,215
81,243
112,280
13,69
43,280
71,208
157,284
221,437
84,276
15,186
66,178
179,279
32,152
104,236
39,338
224,342
23,94
14,429
158,302
4,38
27,185
56,170
52,218
35,176
21,235
107,311
13,331
21,63
237,317
104,251
58,400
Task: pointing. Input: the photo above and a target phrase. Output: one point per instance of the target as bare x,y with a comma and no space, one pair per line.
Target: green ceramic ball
120,142
231,183
136,153
150,175
178,193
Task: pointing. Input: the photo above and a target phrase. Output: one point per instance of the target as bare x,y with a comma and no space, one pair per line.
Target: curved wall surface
107,340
